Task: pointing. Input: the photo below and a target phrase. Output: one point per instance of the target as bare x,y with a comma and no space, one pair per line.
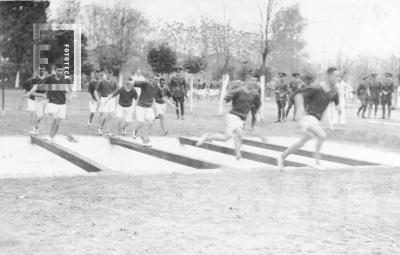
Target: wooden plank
69,155
166,155
326,157
245,154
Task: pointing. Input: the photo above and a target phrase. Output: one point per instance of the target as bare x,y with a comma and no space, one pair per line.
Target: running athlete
161,99
104,88
144,111
242,98
93,103
57,99
40,99
125,104
311,104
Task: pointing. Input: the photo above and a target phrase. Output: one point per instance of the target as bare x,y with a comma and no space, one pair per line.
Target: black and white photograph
213,127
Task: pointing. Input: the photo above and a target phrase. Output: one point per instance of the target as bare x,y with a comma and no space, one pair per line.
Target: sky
352,27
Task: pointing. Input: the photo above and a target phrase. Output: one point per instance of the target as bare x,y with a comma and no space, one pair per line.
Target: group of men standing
373,91
285,92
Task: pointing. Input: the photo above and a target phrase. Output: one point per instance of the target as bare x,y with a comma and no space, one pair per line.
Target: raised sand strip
21,159
228,161
67,154
245,154
326,157
309,161
343,149
164,154
127,161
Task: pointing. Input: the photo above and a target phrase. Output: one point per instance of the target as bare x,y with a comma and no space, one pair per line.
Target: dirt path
254,212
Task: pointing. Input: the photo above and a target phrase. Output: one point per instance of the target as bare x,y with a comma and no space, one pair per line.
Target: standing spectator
281,95
179,93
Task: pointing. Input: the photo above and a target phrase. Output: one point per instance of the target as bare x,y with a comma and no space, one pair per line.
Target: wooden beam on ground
245,154
69,155
163,154
336,159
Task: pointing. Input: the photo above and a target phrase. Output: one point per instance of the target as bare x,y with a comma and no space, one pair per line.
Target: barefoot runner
161,99
311,103
125,105
104,88
144,111
93,100
242,98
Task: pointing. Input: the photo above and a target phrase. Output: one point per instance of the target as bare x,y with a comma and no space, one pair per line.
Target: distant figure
281,96
342,86
374,94
295,86
362,94
179,93
387,92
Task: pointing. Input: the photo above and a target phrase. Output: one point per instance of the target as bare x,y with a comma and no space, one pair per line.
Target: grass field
349,211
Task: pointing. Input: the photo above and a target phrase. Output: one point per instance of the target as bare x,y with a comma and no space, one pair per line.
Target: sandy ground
257,212
352,211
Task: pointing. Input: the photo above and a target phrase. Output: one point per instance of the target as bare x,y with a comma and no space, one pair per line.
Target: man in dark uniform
179,93
295,86
387,89
374,94
281,96
362,94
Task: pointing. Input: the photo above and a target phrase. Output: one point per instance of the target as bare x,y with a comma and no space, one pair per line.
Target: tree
162,59
265,30
16,31
286,40
116,32
194,64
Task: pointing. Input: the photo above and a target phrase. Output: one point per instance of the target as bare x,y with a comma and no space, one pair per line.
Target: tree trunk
191,92
262,87
225,81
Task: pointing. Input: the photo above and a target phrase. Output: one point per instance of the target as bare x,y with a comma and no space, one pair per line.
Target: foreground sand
252,212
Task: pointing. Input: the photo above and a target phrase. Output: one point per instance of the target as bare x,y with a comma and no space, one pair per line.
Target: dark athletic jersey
125,97
105,88
147,93
316,100
374,89
92,88
242,101
161,94
27,86
56,96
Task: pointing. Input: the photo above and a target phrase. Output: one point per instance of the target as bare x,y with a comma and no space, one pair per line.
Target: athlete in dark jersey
387,89
144,111
39,99
161,99
125,102
311,104
242,100
93,103
104,88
